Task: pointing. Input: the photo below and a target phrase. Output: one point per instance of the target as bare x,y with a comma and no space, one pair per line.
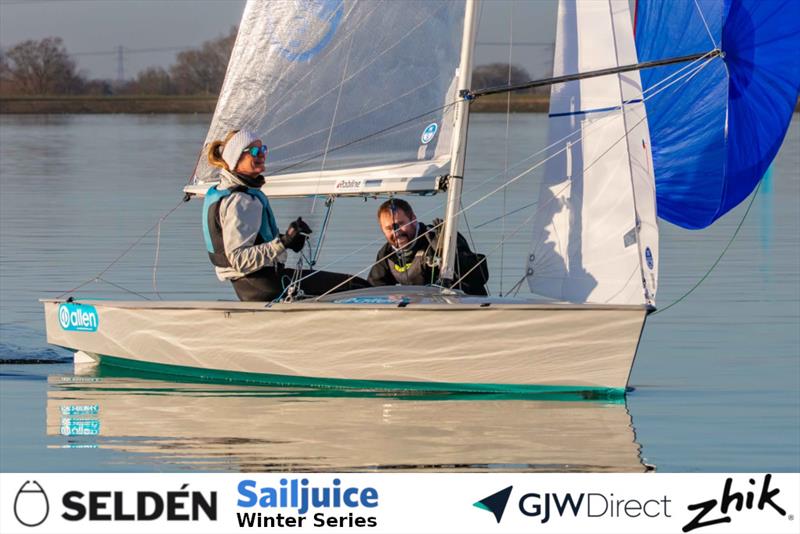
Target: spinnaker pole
544,82
459,147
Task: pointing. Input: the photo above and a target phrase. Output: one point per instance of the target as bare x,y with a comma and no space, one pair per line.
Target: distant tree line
45,67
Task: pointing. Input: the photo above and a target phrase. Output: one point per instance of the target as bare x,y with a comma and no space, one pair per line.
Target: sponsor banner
383,503
77,317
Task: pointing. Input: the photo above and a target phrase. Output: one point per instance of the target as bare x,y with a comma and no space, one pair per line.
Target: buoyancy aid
212,226
413,271
422,267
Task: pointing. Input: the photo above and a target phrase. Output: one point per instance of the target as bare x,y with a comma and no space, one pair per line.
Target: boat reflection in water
254,428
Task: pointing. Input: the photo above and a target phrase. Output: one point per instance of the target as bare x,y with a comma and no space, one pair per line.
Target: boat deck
411,297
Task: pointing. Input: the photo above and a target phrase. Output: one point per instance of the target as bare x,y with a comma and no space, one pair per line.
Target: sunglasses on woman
255,151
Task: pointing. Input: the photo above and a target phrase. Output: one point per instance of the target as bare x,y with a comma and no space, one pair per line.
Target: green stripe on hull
587,392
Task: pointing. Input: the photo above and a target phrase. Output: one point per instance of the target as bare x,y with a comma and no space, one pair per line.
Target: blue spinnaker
715,133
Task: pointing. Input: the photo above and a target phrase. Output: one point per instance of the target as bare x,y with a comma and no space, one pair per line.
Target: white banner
399,503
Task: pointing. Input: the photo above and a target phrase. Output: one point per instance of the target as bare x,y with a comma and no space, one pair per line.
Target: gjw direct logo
78,317
546,506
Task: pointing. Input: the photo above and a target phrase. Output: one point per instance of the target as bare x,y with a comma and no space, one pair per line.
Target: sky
93,30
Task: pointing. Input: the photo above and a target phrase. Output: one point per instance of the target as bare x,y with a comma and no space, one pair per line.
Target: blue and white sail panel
715,134
595,237
334,86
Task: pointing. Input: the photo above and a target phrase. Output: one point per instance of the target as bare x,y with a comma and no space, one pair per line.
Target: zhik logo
735,498
31,506
495,503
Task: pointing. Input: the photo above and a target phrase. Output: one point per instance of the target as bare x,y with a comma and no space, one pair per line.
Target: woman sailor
241,235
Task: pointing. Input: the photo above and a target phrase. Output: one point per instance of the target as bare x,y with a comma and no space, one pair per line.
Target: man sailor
410,257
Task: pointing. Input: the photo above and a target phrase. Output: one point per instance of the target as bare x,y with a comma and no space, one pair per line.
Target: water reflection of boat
246,428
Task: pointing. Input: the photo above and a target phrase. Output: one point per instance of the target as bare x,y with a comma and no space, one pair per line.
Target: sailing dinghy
367,98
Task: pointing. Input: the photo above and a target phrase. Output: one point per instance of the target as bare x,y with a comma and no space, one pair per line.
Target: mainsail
351,96
595,237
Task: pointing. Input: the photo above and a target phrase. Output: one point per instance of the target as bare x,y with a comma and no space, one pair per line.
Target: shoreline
156,104
38,105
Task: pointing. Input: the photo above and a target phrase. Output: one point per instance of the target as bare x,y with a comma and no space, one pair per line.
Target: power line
115,51
121,52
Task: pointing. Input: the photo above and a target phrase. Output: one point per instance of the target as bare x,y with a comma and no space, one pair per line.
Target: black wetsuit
269,283
414,266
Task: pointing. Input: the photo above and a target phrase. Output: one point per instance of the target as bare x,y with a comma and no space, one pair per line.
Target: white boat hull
463,344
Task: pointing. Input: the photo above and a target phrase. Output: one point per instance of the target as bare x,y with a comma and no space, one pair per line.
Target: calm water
717,377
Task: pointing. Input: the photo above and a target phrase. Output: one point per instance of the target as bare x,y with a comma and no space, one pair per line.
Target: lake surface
716,378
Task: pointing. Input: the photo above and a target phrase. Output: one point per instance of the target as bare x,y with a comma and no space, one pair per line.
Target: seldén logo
123,506
78,317
31,506
495,503
738,500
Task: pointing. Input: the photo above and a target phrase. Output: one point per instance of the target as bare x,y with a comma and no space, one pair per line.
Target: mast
459,147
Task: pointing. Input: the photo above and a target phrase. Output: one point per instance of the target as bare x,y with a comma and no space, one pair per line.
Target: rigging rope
705,23
124,253
680,74
333,123
716,262
516,230
690,60
508,126
687,76
365,137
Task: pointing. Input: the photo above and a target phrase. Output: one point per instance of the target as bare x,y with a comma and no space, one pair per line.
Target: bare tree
152,81
43,67
202,70
6,83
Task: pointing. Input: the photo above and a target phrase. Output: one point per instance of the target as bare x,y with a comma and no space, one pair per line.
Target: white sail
595,237
343,89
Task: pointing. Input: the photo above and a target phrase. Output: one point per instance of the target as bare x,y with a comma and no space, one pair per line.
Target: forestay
351,96
595,237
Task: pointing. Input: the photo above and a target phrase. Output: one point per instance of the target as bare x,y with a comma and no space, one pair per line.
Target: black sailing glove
302,226
295,236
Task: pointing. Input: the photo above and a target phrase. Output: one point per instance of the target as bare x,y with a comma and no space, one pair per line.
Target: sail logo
429,133
78,317
648,256
312,29
349,185
31,506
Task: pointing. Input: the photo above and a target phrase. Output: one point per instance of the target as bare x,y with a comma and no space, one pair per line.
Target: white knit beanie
236,145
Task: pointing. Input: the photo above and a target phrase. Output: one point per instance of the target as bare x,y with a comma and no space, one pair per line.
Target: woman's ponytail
215,152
